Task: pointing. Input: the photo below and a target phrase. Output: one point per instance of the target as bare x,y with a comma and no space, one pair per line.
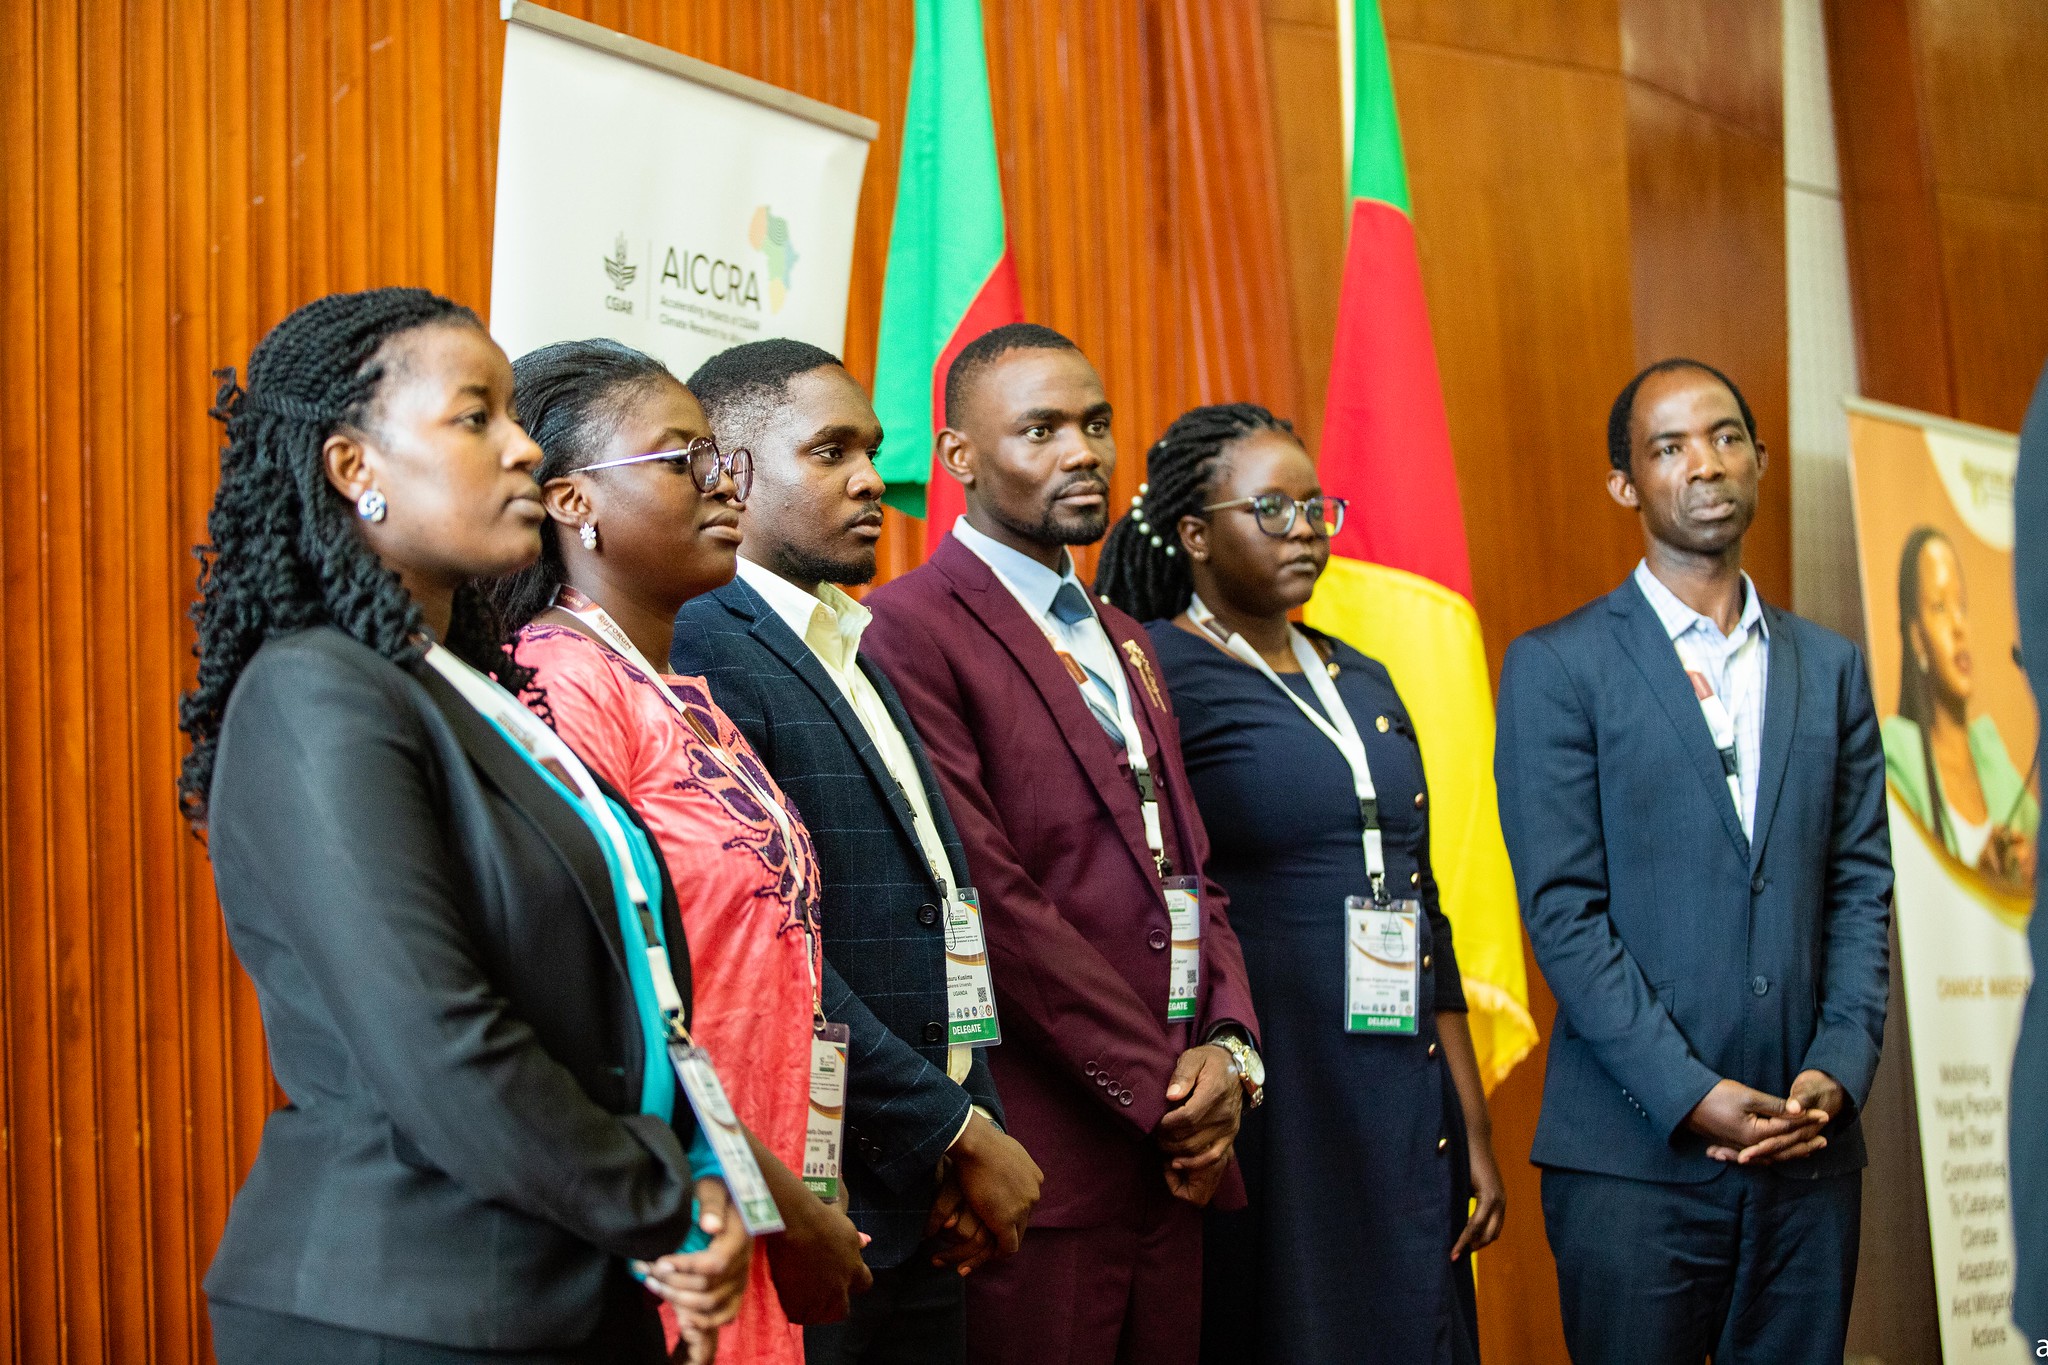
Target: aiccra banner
1934,534
663,202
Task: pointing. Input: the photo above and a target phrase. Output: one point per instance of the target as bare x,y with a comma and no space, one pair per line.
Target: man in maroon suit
1127,1051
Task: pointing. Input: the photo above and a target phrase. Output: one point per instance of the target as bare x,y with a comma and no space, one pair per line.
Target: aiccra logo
769,235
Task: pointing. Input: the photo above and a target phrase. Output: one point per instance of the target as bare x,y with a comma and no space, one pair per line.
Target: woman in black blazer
477,1152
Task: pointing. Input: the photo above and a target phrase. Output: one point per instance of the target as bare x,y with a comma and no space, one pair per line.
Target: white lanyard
600,621
1336,726
533,734
1126,720
1718,714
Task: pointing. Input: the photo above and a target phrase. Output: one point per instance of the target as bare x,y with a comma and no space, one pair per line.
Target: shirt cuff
972,1110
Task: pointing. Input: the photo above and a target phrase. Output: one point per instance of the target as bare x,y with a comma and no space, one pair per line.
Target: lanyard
607,630
1336,726
548,748
1719,714
1126,720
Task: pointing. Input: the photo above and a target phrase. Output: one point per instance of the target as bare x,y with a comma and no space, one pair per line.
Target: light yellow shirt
831,624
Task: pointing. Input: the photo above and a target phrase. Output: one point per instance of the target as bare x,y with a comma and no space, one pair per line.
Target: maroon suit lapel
984,597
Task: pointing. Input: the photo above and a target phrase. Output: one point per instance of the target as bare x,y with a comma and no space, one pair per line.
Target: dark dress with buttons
1356,1164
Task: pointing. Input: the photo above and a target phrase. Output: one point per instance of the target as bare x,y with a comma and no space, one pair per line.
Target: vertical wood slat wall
175,177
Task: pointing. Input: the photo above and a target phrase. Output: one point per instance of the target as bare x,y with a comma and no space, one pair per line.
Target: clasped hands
704,1285
1205,1103
988,1186
1751,1128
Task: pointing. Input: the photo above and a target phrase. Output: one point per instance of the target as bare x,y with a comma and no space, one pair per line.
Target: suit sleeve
1856,966
1055,987
905,1111
370,912
1546,764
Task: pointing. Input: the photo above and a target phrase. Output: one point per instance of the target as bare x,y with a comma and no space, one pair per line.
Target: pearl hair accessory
1144,526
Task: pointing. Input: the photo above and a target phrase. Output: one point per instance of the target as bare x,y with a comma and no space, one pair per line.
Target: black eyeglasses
1276,514
704,461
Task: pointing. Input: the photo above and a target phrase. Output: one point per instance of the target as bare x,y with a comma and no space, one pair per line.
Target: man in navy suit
932,1177
2028,1140
1692,791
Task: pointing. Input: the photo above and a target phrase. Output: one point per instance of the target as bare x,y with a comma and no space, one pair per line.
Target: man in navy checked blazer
930,1174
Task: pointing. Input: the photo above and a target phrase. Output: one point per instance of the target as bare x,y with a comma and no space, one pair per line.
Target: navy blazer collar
984,596
1642,634
766,625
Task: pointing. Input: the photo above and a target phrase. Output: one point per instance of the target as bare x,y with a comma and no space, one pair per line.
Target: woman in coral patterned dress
643,516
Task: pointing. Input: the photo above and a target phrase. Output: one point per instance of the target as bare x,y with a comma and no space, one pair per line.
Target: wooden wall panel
1945,199
175,177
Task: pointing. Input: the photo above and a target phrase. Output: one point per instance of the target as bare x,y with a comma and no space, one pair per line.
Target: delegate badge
743,1176
1184,969
970,995
1382,979
825,1128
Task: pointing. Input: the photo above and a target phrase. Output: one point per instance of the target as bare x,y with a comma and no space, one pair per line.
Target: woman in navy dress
1363,1168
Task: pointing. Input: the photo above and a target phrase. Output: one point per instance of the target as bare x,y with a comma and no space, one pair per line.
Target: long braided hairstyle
283,552
1142,570
1916,684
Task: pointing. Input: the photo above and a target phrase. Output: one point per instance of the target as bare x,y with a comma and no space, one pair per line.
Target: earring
371,506
587,533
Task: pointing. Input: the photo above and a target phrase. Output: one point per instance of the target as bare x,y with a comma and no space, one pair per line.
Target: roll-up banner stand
1934,536
664,202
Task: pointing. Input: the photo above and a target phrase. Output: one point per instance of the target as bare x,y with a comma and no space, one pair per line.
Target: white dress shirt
1034,586
1735,666
831,624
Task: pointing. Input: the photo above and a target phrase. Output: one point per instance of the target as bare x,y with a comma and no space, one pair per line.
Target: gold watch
1244,1060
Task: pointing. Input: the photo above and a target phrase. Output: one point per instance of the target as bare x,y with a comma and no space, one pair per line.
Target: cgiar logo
615,265
769,235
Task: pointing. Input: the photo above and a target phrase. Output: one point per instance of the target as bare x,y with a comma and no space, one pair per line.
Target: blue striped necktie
1070,608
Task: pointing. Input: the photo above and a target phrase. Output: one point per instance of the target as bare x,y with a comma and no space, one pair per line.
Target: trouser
1751,1267
916,1314
1126,1293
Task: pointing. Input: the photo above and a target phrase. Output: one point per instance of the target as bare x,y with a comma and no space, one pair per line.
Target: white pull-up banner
664,202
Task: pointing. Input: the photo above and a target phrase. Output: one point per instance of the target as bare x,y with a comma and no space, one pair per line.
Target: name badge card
1382,978
825,1128
1184,970
970,996
743,1176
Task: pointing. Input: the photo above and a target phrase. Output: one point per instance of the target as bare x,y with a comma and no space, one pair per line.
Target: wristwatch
1244,1060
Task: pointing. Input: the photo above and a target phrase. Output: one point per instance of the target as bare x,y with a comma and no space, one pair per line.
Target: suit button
1089,1069
1421,800
935,1033
1425,959
1442,1143
1102,1080
1759,985
1157,938
1414,879
1124,1098
1432,1049
1757,884
927,915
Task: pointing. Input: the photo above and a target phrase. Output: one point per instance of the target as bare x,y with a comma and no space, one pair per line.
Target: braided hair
1916,687
1142,570
283,552
568,397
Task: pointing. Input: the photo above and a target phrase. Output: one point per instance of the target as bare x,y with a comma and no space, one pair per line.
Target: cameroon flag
950,277
1399,585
